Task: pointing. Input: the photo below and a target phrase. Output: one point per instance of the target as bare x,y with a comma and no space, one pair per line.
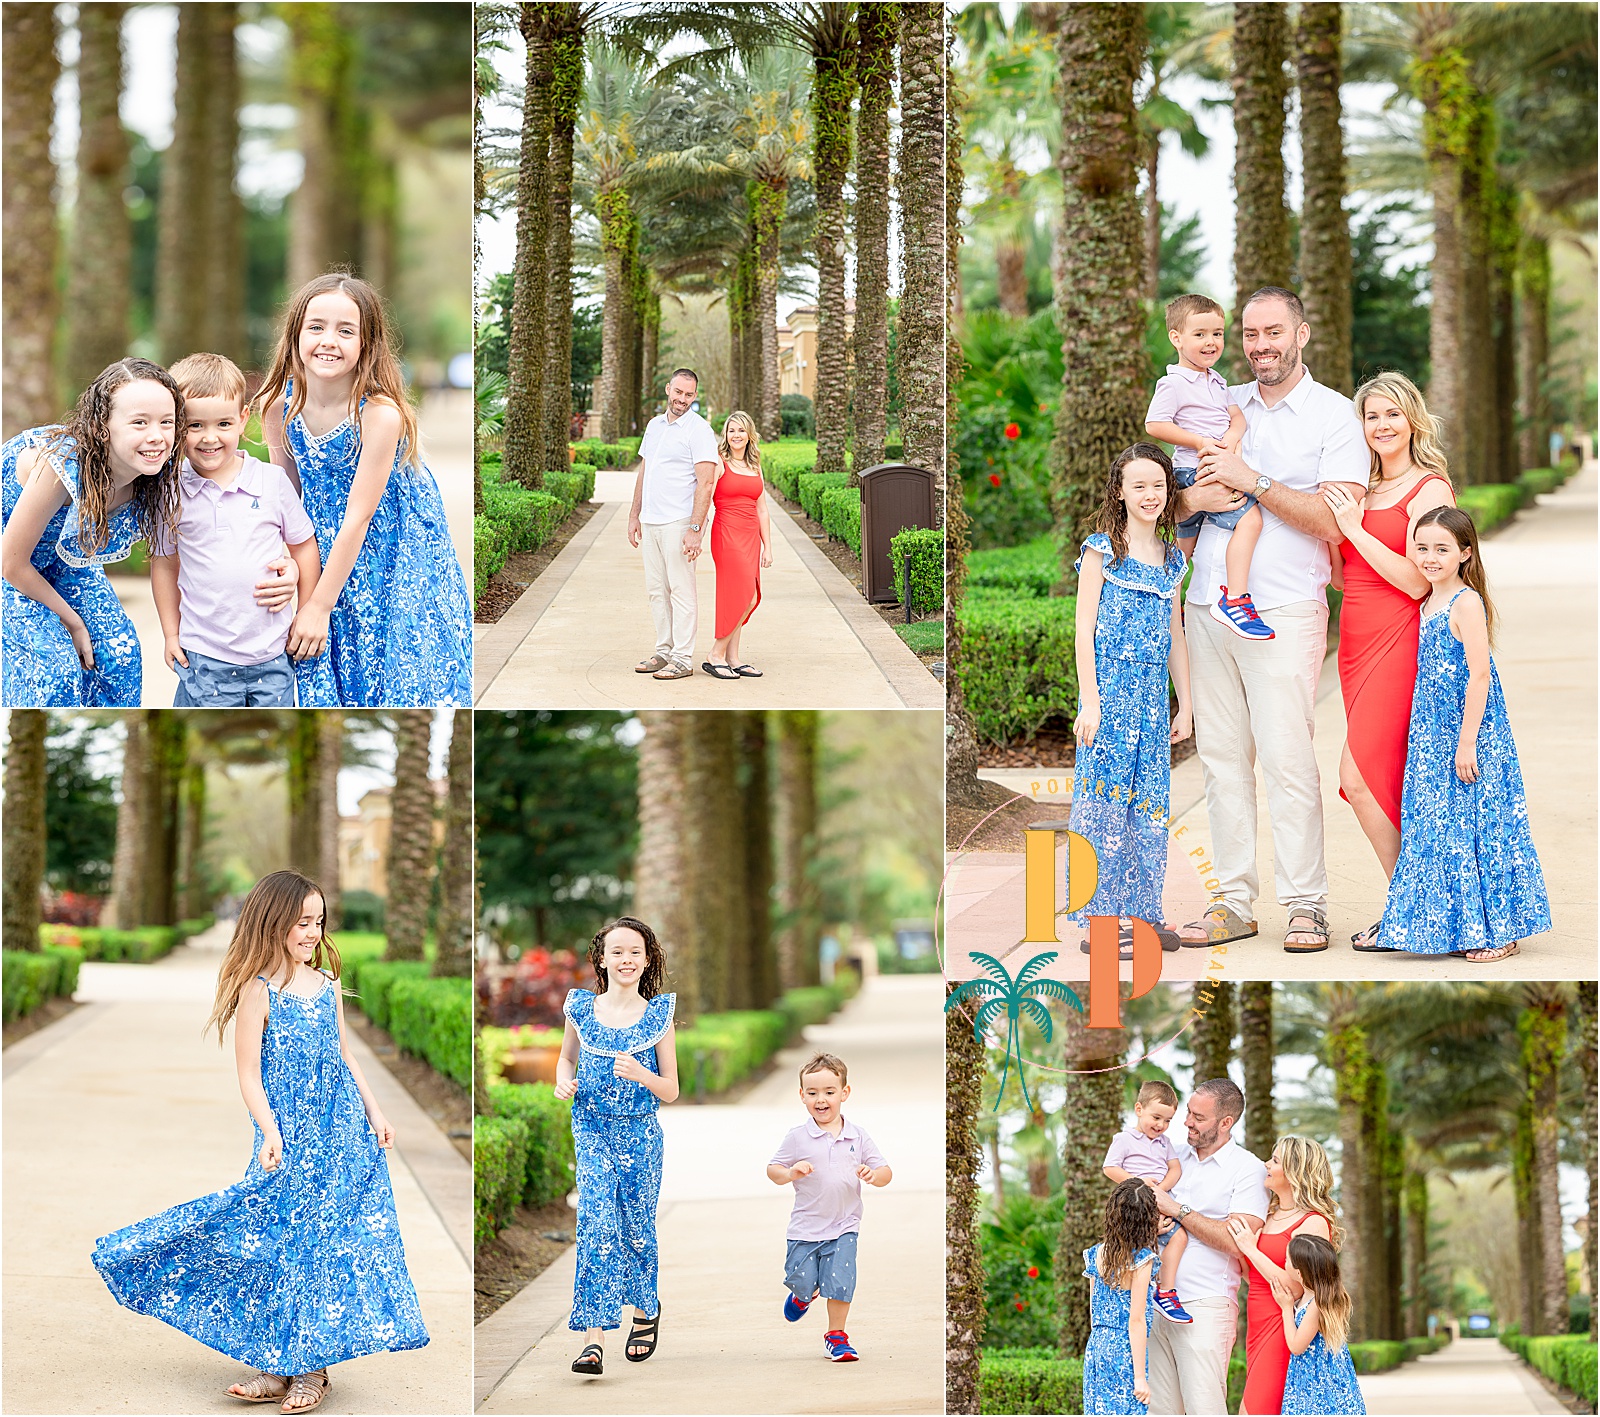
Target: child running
1468,880
1142,1152
619,1062
300,1265
1190,409
1129,641
1116,1374
391,604
235,513
1322,1377
825,1159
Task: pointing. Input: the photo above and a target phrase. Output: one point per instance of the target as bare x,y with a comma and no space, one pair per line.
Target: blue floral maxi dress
295,1268
1108,1360
400,635
1121,784
41,666
617,1142
1321,1381
1468,877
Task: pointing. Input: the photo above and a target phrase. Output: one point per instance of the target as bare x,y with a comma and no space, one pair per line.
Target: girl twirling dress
617,1141
299,1267
400,635
1122,782
1321,1381
41,666
1468,877
1108,1359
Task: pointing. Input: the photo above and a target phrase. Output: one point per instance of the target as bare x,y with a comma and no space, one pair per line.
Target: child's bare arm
567,1064
309,562
1236,428
249,1022
41,498
164,588
781,1175
278,444
380,1123
663,1084
875,1175
1117,1174
1297,1335
1167,1182
1471,627
1171,433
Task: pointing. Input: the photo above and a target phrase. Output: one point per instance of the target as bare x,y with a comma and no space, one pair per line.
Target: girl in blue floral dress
301,1264
618,1063
391,606
1322,1377
1468,880
1121,1302
1129,642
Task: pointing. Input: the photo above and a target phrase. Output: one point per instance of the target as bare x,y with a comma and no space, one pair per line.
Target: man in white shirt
1221,1182
671,500
1258,697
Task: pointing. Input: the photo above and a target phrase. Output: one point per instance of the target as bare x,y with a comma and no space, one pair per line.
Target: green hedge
925,547
432,1019
841,515
1017,665
1028,1380
550,1170
140,946
812,485
373,980
1031,569
488,551
31,977
1567,1359
575,485
735,1044
526,517
616,456
499,1167
1492,504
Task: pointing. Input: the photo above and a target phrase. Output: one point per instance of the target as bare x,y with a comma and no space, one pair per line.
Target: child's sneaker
837,1342
795,1309
1167,1302
1239,615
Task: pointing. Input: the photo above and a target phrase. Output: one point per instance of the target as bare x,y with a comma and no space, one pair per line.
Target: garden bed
507,586
519,1254
1566,1360
448,1105
46,1014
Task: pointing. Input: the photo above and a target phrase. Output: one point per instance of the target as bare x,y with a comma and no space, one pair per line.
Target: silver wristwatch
694,526
1262,483
1183,1212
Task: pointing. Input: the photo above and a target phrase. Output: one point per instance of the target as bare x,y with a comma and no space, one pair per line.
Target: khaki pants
669,582
1189,1362
1259,697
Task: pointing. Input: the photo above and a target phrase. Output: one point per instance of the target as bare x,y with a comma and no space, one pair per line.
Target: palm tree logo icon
1016,997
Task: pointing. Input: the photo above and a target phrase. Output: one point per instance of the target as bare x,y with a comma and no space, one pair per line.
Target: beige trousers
1189,1362
1258,698
669,582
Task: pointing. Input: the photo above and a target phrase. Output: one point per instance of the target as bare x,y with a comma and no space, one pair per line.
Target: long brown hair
655,958
378,372
1427,452
1130,1226
1461,527
1318,1264
1310,1176
155,499
260,940
1112,518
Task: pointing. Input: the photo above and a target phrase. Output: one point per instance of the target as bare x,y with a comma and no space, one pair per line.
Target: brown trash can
893,496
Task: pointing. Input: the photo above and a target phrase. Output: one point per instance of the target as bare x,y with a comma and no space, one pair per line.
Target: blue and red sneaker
1167,1302
837,1342
795,1309
1239,615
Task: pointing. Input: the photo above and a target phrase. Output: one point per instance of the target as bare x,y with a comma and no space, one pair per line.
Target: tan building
364,840
797,349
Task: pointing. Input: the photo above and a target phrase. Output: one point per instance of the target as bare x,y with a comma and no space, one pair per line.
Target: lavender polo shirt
827,1203
226,538
1139,1155
1197,401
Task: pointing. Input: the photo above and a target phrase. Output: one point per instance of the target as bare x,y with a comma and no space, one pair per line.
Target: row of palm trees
157,874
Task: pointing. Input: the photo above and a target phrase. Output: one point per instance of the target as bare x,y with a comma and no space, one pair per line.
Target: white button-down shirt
1309,437
670,450
1228,1182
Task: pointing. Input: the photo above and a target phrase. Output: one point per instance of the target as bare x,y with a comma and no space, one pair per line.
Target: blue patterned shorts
214,683
825,1267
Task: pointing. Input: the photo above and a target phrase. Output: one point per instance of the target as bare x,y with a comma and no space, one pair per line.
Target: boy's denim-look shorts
214,683
825,1267
1190,526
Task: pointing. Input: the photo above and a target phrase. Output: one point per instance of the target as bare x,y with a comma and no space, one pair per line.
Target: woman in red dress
1383,593
741,543
1300,1202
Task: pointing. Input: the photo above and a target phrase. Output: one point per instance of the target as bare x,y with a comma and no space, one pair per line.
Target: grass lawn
923,636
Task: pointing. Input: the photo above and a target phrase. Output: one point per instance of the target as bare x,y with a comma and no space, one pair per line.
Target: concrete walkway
1469,1375
121,1110
725,1346
573,638
1541,571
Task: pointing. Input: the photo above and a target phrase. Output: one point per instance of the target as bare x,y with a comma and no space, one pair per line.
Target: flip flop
748,671
1489,956
1364,942
719,671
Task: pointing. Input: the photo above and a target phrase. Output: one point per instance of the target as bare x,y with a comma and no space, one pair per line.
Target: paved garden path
1541,572
724,1344
1469,1375
573,638
120,1110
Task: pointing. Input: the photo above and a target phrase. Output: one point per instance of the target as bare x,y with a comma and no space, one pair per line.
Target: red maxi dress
1378,626
1266,1350
736,548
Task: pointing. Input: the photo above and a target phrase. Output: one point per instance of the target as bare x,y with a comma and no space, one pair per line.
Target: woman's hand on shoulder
1347,510
1243,1235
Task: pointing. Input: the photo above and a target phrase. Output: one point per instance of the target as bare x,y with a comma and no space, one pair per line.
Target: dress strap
1405,502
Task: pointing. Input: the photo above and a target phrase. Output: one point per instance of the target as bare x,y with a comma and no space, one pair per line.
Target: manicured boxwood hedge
517,519
488,551
784,463
549,1174
499,1171
1029,570
432,1019
812,485
1029,1380
841,515
1567,1359
32,977
615,456
139,946
1017,665
374,980
924,546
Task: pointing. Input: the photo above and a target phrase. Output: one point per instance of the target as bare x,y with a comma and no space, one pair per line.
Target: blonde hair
752,449
209,376
1427,452
1318,1264
260,943
1305,1163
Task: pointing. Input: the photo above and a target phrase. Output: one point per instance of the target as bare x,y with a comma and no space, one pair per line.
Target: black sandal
640,1332
1369,935
590,1367
748,671
719,671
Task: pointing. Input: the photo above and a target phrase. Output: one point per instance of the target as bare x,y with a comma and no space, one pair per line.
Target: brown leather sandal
315,1385
1222,926
1318,931
258,1389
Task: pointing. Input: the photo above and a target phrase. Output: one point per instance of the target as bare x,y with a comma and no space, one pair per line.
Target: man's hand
1228,468
691,546
635,531
1166,1205
1207,494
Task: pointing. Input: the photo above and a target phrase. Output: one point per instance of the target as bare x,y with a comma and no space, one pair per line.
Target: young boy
826,1159
1143,1151
1190,408
235,515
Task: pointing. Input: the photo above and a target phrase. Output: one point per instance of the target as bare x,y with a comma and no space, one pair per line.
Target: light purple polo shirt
827,1203
1197,401
1139,1155
227,536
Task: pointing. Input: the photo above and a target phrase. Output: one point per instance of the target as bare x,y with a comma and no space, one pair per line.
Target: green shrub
1378,1355
812,485
841,515
499,1168
373,980
783,463
814,1004
620,455
141,946
71,961
1492,504
1567,1359
1017,665
1030,569
550,1173
798,415
1029,1380
488,551
29,978
360,910
526,517
497,1043
731,1046
925,547
1545,479
585,473
432,1019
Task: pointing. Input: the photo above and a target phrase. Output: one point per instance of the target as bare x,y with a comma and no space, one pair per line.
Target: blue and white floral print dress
1468,877
1108,1360
1321,1381
1121,784
400,635
41,666
617,1141
295,1268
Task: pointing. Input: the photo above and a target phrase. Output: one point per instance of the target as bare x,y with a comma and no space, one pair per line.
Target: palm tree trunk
651,379
22,861
224,228
454,955
616,224
833,89
877,24
182,249
659,898
797,847
963,1267
125,902
738,945
192,902
1525,1195
1584,1010
326,209
410,864
566,93
28,281
1255,1050
1370,1197
1544,1030
330,758
304,780
1533,308
1416,1221
770,194
1351,1061
163,772
1477,334
920,354
1324,227
1211,1038
755,789
1506,239
736,324
1152,223
1394,1177
710,850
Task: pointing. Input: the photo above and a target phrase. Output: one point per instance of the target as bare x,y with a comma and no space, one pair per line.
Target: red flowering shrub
70,908
1013,431
532,990
994,479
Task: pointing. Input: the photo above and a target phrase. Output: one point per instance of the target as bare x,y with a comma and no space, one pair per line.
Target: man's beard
1287,364
1202,1140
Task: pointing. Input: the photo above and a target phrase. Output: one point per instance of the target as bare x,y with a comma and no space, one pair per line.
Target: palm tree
409,867
330,758
877,25
24,828
166,746
756,806
1255,1052
712,854
1261,253
920,357
327,207
182,245
1211,1037
1324,228
225,263
1584,1013
566,24
1019,999
798,963
964,1279
1543,1029
454,955
124,905
659,898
